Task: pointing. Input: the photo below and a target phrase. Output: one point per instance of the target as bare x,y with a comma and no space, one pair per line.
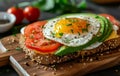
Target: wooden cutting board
25,67
10,43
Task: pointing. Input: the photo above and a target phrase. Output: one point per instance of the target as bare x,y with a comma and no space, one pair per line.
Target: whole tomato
31,13
18,12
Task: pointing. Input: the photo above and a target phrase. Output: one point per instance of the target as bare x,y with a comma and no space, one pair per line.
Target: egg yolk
70,26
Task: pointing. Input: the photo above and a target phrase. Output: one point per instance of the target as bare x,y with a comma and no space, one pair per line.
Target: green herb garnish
61,34
14,35
52,33
87,25
72,20
72,30
31,36
52,6
68,24
18,48
67,40
78,33
84,30
42,26
96,16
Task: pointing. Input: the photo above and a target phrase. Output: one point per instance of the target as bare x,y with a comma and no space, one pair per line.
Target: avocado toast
102,36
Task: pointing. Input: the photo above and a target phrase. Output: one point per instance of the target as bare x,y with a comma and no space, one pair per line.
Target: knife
5,54
2,48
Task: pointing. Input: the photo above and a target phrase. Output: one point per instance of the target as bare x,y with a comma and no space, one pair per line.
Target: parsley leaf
61,34
68,24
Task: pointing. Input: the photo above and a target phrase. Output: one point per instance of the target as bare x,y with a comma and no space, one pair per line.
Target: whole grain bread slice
50,58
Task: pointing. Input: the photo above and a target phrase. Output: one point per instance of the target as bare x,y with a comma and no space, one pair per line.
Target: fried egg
71,30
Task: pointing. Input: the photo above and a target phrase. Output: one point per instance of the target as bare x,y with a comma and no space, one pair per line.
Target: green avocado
67,50
109,30
104,24
104,32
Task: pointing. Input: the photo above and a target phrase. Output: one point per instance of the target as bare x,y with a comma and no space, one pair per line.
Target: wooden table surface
95,8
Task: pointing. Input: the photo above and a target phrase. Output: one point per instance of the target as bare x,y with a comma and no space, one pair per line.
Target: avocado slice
66,49
104,24
109,30
106,27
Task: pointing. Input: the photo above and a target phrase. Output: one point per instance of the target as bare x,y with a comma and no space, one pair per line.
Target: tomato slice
111,18
35,39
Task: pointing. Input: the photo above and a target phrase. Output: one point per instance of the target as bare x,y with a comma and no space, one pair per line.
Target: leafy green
82,5
57,6
24,4
44,4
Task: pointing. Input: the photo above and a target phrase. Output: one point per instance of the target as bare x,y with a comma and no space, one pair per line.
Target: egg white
72,40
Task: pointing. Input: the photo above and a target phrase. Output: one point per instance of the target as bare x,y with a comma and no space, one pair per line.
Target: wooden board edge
18,67
4,57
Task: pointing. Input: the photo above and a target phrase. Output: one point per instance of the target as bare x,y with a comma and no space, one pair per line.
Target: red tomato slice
36,40
111,18
34,29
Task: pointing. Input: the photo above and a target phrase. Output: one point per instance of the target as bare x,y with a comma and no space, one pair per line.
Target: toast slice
50,58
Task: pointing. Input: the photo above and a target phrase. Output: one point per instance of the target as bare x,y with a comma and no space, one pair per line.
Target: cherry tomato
111,18
35,39
18,12
31,13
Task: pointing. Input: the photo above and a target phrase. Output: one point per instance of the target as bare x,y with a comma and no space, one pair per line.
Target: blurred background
52,8
58,7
